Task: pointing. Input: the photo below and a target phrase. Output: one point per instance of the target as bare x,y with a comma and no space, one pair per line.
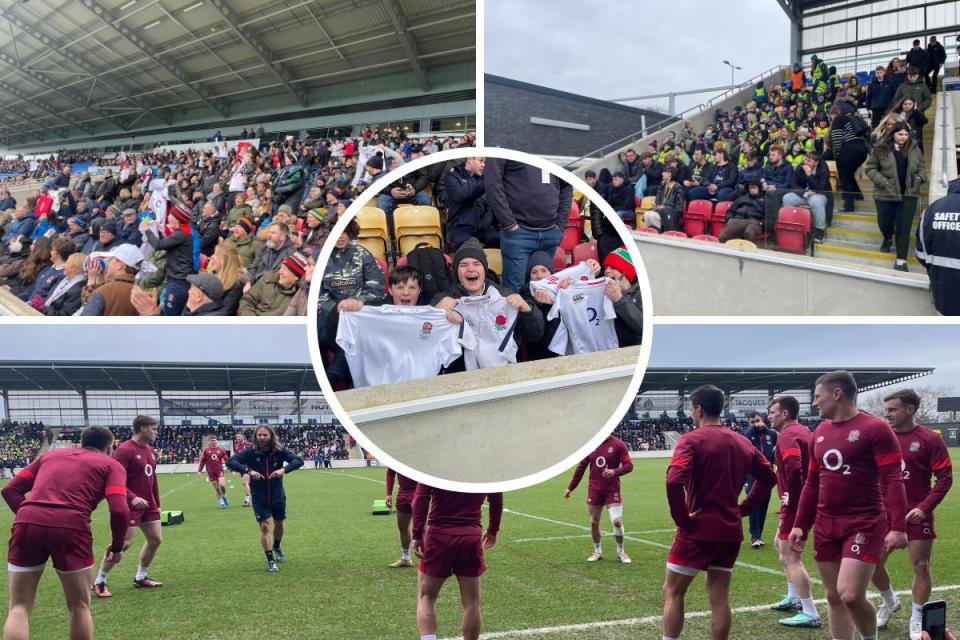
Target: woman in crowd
896,168
36,261
65,299
906,111
225,263
849,149
666,212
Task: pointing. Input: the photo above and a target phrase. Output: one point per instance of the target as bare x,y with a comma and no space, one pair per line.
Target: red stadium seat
719,217
697,217
647,230
386,272
706,238
675,234
559,259
585,251
792,228
636,201
573,233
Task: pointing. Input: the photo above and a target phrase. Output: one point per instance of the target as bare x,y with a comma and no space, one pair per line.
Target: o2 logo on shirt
147,470
833,461
593,316
903,468
601,462
857,545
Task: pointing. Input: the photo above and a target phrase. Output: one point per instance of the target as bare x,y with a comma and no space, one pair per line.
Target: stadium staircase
855,237
672,438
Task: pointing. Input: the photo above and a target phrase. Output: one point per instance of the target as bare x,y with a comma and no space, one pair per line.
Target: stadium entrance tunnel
497,424
691,277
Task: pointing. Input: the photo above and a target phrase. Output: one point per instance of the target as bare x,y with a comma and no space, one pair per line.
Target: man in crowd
112,298
765,440
273,292
938,249
468,215
811,183
936,57
277,247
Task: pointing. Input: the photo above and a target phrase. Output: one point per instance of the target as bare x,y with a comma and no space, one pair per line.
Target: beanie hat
285,208
376,162
541,258
181,213
296,263
319,213
470,249
621,261
245,224
110,226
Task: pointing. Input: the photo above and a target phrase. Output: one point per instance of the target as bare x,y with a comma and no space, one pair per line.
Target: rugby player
404,506
213,458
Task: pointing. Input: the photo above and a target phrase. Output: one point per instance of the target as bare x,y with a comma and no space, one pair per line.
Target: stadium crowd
183,444
20,442
191,232
647,434
772,152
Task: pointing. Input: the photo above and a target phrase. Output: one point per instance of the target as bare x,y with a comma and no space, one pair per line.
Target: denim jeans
388,203
516,247
818,206
174,297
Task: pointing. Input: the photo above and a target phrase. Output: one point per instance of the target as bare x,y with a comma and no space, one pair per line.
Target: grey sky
613,50
158,343
935,346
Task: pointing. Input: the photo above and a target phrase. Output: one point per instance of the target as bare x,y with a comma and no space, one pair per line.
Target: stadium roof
95,65
157,377
733,380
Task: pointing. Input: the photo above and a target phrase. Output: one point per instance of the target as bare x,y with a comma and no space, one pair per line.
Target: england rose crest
500,322
425,330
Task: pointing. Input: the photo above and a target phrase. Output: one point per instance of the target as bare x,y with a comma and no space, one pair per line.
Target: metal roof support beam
144,48
279,70
407,42
54,86
50,111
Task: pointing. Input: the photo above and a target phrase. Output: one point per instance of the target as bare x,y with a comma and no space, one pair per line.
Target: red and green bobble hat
621,261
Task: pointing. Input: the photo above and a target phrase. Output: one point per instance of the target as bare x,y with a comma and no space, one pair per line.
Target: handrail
672,119
943,130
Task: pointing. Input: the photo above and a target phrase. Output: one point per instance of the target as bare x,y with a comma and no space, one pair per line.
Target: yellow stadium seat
647,203
494,260
740,243
374,234
834,176
416,224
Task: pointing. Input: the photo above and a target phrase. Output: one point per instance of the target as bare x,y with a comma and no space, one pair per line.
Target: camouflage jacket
351,272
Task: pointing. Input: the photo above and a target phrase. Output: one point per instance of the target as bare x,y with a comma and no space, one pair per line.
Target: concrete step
859,221
857,239
856,255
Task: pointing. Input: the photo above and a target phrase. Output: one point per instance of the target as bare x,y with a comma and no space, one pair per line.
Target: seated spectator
47,279
298,306
468,215
652,171
277,247
245,240
205,295
23,224
666,214
718,180
112,286
239,210
631,167
225,263
777,176
65,298
811,184
37,260
697,169
7,201
273,292
107,237
624,291
745,216
408,189
129,232
620,197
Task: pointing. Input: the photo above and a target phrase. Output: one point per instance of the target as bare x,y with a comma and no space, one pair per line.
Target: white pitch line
605,534
358,477
586,626
651,543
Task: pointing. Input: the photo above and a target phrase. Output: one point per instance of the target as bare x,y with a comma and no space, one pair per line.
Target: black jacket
938,249
818,182
265,491
724,177
654,174
68,303
179,248
918,58
621,198
629,322
747,207
936,54
880,94
212,308
466,206
517,194
209,229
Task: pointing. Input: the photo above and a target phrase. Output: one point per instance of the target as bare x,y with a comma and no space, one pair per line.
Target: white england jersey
586,319
395,343
493,322
577,273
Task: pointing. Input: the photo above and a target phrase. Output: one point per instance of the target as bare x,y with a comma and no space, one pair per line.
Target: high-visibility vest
797,81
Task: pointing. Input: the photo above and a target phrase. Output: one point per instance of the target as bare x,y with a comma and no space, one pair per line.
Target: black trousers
851,156
895,217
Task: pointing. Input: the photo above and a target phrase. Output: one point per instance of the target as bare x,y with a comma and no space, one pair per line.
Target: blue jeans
627,214
516,247
817,203
174,297
388,203
701,193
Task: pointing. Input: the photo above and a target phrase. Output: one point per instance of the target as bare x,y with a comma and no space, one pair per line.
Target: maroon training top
141,466
453,512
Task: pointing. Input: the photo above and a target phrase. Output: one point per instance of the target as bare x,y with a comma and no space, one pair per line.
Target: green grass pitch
336,583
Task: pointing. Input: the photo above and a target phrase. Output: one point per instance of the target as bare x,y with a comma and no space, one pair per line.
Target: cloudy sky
746,345
609,50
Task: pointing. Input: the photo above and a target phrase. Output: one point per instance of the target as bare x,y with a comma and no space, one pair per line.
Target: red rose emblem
427,326
501,320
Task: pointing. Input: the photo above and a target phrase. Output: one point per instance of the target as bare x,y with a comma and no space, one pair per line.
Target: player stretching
792,453
453,546
607,463
65,486
924,455
213,459
240,443
267,462
137,458
704,480
854,483
404,513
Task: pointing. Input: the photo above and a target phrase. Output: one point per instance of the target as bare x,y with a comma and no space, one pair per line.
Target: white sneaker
884,613
916,630
624,558
595,556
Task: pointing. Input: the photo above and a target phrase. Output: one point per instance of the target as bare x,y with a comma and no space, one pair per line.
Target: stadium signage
195,406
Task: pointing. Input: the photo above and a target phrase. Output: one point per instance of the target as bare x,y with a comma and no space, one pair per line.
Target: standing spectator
468,215
765,441
916,88
879,96
896,168
181,246
532,208
849,149
917,57
936,58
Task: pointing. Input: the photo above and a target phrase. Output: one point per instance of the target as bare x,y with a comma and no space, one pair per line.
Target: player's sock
141,572
269,553
404,554
809,607
596,547
431,636
889,597
870,637
667,638
276,545
101,577
916,612
619,547
791,591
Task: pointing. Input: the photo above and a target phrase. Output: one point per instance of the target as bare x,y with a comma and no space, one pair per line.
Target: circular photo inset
482,319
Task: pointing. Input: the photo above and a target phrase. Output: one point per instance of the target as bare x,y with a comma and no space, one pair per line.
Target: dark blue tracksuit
765,440
267,496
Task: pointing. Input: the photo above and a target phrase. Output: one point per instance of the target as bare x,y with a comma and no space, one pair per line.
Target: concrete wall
494,425
509,107
948,106
698,120
689,277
